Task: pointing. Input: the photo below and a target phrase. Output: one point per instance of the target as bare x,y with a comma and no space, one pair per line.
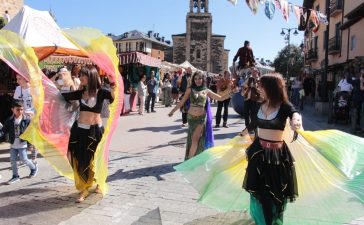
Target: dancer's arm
216,96
74,95
182,102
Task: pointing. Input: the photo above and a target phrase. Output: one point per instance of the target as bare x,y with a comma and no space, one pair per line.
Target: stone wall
217,54
198,44
179,49
13,7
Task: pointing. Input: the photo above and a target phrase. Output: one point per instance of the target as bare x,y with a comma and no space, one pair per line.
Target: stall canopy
138,57
187,64
40,31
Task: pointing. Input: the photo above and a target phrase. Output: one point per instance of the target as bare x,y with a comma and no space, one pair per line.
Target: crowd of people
269,174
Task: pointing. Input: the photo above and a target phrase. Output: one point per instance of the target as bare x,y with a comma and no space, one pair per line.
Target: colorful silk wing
51,141
329,167
101,50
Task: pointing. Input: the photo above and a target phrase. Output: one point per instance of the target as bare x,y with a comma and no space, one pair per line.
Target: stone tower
198,45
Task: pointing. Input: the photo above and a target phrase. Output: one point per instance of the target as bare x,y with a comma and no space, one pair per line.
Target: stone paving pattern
144,189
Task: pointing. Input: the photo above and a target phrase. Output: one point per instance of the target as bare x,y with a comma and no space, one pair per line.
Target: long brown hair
94,83
275,89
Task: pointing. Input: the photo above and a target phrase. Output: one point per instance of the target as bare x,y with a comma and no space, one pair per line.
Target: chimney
126,34
162,39
150,33
168,42
157,35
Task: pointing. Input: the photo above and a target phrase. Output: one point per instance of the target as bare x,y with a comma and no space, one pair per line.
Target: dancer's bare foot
98,190
82,196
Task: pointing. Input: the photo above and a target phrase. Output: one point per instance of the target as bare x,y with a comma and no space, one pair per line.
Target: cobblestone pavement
144,189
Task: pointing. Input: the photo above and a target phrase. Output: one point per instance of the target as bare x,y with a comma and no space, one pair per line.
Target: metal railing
336,6
312,54
334,45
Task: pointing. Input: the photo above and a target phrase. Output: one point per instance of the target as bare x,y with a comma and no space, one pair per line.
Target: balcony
311,55
336,7
334,45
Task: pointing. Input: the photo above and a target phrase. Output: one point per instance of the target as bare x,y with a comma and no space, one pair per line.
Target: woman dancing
87,131
199,117
270,175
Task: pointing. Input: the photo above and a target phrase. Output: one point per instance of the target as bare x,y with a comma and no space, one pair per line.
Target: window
352,42
159,52
136,46
198,54
141,46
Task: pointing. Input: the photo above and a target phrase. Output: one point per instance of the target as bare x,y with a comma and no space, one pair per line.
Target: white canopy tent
40,31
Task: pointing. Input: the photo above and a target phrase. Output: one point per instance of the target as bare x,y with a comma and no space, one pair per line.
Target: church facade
199,45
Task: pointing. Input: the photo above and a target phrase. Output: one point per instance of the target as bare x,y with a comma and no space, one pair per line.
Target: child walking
14,127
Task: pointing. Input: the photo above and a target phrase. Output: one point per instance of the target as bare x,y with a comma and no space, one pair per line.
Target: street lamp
288,38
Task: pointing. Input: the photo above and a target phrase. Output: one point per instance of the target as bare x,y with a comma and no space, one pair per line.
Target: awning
54,59
137,57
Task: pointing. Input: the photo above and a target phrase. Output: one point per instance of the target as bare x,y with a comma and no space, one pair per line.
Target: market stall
132,66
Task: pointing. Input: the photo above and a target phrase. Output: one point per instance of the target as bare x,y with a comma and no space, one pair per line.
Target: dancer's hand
170,114
296,122
244,132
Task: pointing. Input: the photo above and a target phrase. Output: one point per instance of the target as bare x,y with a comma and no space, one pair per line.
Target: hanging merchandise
253,5
314,21
269,9
285,9
322,18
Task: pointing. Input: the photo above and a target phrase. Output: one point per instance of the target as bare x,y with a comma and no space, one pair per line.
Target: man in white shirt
344,85
22,92
6,16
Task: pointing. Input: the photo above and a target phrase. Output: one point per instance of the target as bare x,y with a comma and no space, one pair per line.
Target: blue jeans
22,152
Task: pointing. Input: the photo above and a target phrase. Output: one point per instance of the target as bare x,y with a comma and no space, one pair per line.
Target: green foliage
2,22
292,56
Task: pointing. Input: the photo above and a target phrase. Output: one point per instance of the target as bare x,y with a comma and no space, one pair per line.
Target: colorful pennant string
286,7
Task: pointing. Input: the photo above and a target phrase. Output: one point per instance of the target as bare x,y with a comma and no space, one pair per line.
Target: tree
291,56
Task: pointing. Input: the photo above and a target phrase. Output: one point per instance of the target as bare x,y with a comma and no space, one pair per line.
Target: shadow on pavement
153,217
228,218
174,128
154,171
31,202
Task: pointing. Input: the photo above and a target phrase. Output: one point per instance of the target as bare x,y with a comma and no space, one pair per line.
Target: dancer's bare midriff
89,118
196,111
268,134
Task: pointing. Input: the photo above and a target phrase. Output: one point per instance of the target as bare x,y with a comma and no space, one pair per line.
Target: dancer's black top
102,94
279,122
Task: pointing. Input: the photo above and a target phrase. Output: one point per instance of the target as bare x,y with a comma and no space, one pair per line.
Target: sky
168,17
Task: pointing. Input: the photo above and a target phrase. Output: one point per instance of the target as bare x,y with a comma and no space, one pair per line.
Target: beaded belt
269,144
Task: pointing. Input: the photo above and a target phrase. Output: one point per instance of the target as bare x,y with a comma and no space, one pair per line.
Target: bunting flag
253,5
285,9
234,2
269,9
278,4
298,12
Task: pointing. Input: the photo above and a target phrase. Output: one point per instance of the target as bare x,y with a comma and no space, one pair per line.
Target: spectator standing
152,87
142,93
